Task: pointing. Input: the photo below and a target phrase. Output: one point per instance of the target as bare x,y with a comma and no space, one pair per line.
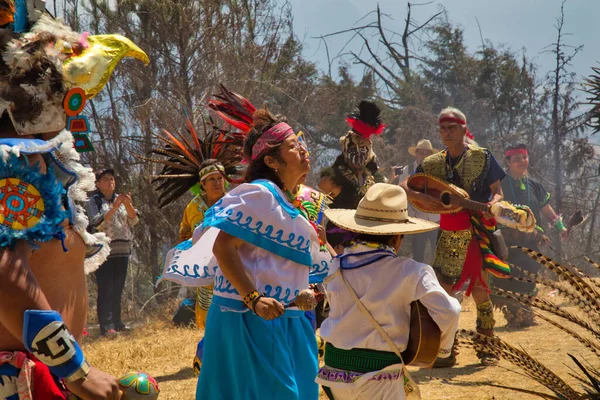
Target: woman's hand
322,233
268,308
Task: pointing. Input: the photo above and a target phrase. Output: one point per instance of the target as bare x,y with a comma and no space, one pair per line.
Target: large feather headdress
42,59
182,155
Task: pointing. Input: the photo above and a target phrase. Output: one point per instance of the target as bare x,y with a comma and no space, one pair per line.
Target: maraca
138,386
307,299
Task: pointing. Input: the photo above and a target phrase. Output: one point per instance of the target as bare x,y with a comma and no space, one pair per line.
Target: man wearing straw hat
419,242
362,357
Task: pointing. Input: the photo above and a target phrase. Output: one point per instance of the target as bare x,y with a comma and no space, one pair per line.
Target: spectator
400,174
114,215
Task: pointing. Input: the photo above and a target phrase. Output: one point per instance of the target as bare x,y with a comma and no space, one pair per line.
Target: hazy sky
518,24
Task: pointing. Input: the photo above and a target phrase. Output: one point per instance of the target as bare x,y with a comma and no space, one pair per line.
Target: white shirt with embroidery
386,287
281,247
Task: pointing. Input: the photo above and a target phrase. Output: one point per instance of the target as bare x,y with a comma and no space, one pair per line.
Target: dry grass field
166,352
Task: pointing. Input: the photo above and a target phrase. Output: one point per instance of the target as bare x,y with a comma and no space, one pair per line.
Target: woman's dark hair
328,172
257,169
383,239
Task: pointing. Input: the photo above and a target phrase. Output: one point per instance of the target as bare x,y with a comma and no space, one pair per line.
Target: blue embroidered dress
245,356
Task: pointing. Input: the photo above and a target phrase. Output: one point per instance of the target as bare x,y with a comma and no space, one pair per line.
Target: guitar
423,339
453,199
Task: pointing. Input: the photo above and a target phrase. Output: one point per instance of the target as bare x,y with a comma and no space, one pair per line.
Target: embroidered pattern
30,203
350,177
469,172
451,252
194,272
320,268
186,271
338,375
21,205
247,223
277,294
224,286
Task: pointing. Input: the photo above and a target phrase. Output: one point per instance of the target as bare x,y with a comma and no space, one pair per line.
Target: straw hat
382,211
422,144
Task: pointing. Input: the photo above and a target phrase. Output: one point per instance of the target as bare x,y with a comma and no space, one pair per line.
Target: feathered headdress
367,121
184,155
233,108
42,59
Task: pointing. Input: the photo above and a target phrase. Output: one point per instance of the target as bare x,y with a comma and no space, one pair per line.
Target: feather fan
580,290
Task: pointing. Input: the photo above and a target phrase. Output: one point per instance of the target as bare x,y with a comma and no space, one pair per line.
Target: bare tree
562,105
390,61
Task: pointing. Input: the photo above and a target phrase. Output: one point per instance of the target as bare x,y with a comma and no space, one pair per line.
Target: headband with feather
182,156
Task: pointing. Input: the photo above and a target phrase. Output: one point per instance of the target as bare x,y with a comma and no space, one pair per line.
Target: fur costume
357,155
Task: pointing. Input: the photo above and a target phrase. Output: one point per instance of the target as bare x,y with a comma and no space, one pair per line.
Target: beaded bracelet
560,225
250,297
256,299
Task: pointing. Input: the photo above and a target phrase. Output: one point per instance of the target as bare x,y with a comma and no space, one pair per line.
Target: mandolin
423,339
453,199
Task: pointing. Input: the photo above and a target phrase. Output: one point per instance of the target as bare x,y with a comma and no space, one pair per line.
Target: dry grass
167,352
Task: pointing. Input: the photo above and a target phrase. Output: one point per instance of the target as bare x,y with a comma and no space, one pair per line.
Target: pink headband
275,135
458,121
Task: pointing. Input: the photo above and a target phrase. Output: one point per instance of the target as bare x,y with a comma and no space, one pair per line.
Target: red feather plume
233,108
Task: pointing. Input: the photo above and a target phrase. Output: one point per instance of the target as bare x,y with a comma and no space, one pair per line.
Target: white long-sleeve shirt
386,287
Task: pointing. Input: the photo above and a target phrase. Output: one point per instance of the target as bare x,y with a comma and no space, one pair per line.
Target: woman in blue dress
257,344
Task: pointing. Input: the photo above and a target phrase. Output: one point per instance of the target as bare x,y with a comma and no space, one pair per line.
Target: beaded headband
210,170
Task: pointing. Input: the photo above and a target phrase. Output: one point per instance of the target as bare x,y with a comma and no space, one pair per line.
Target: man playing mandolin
373,293
463,252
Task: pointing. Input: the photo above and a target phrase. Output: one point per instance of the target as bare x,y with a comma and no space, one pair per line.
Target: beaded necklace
450,168
522,186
